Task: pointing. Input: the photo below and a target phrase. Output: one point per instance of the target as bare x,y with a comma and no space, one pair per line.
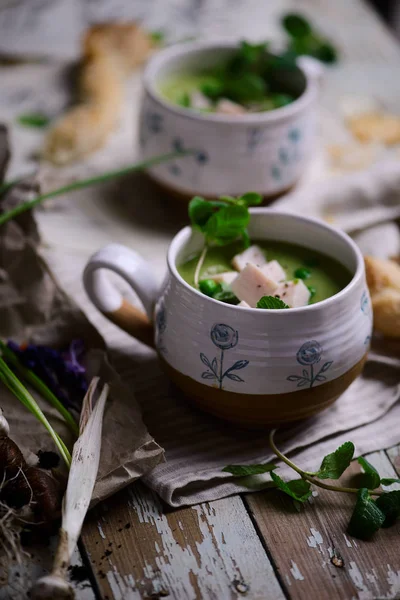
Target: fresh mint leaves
225,220
36,120
389,481
389,504
304,39
246,470
298,489
367,517
370,477
335,464
270,302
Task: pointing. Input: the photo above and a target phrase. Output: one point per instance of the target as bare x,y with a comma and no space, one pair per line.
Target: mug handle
105,296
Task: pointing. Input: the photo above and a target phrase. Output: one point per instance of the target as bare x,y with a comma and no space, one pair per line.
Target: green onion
40,386
77,185
11,381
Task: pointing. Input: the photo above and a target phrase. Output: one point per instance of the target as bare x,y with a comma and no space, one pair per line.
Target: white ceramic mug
265,152
248,365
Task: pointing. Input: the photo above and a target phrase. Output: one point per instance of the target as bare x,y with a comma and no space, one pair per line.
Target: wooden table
254,546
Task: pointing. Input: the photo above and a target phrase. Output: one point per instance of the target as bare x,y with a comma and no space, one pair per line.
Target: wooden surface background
255,546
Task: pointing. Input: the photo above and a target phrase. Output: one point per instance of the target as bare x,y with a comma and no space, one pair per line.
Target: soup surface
323,275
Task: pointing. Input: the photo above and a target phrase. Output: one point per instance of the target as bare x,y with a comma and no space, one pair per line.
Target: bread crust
109,53
383,279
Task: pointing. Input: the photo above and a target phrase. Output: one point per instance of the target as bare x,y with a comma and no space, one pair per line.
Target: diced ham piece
294,293
244,304
226,277
252,284
227,107
199,101
253,255
274,271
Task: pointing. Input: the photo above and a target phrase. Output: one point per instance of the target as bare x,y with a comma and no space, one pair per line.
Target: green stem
40,386
23,395
307,477
199,266
77,185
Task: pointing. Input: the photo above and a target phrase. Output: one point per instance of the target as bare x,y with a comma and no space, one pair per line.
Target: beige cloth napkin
34,307
198,447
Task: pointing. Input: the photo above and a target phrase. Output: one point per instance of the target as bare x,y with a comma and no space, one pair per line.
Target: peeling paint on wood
211,551
333,565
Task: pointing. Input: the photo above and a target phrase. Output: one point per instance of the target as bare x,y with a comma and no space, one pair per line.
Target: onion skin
46,494
11,459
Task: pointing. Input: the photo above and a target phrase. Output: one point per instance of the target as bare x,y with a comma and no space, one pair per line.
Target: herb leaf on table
335,464
245,470
298,489
389,504
370,477
367,517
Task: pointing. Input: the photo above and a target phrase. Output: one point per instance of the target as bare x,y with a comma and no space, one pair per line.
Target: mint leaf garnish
296,25
200,211
370,477
33,120
389,504
227,224
298,489
270,302
389,481
367,517
246,470
251,199
334,465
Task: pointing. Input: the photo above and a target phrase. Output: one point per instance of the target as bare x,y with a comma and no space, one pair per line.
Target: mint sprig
369,514
221,221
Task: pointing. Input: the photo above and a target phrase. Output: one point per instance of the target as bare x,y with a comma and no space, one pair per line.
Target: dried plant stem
200,265
305,475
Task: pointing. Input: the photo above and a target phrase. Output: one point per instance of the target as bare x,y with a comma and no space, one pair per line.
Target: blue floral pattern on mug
288,154
161,326
224,337
364,303
177,145
308,356
151,124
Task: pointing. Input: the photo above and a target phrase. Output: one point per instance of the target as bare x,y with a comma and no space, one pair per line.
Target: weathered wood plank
303,544
140,549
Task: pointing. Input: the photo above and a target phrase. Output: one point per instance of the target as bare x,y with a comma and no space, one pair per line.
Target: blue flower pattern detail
161,326
151,124
177,145
254,138
308,356
366,310
224,337
288,154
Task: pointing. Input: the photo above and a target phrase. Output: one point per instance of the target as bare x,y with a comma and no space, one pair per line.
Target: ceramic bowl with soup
265,151
251,366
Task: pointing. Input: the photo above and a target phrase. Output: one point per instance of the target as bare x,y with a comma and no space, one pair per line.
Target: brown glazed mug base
184,198
257,411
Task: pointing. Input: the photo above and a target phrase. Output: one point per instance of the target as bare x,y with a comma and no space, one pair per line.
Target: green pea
209,287
183,99
302,273
312,291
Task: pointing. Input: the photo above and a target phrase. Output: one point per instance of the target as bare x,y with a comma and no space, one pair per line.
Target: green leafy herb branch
373,509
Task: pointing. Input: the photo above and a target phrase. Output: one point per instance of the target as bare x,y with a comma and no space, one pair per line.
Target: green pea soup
321,273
